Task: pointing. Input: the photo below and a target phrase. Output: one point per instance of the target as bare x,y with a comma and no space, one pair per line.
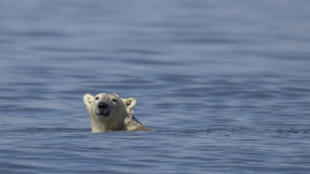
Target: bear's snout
102,105
103,109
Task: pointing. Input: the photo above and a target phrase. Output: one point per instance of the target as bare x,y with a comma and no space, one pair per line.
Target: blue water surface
224,85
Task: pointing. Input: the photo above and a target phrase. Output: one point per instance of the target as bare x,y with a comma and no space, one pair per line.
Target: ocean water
224,85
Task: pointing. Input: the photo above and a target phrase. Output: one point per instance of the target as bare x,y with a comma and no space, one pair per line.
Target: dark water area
224,85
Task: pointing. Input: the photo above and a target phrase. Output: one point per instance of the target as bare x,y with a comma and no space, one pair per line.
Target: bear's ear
130,103
88,99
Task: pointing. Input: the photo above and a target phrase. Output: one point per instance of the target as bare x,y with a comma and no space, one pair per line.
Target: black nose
103,109
102,105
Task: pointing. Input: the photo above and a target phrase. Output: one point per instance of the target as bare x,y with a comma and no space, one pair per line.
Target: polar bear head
108,111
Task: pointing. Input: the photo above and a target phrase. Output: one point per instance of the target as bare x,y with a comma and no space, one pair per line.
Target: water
224,85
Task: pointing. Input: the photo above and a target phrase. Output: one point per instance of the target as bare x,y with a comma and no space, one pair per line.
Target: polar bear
109,112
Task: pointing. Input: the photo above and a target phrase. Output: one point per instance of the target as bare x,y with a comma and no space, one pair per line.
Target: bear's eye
96,98
114,100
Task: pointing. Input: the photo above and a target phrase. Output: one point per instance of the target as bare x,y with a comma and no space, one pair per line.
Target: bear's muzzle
103,109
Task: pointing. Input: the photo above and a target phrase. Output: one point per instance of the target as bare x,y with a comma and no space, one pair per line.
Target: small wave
240,130
47,130
189,131
294,130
